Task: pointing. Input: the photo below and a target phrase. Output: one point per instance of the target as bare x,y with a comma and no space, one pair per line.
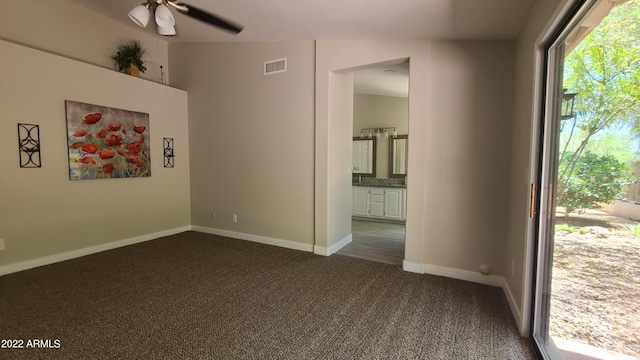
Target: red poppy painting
105,142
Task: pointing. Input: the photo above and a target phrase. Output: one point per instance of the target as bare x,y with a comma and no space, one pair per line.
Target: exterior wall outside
625,209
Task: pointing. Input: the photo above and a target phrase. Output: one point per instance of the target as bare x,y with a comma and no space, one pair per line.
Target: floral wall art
107,143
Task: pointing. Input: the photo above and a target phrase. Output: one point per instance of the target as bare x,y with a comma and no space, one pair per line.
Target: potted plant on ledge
129,58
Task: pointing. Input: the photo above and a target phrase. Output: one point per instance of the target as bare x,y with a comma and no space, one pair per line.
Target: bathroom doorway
379,158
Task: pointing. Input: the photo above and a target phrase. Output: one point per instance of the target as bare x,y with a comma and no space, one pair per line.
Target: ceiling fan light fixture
168,31
164,17
140,15
166,22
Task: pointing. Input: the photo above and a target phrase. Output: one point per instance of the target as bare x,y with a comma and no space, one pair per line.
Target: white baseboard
412,267
320,250
340,244
11,268
513,305
323,251
476,277
466,275
255,238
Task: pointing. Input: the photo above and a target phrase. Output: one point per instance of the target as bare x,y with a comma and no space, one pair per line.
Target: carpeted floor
199,296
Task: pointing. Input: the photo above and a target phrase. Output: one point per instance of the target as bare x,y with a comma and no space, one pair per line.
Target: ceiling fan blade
207,17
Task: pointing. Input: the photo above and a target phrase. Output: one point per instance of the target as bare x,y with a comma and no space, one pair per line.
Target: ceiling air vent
275,66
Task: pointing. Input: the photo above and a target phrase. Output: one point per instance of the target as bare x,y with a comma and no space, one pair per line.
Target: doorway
586,283
379,158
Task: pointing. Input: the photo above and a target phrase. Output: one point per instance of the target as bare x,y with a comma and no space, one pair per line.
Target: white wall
44,214
459,114
251,139
65,28
232,106
352,55
340,199
470,107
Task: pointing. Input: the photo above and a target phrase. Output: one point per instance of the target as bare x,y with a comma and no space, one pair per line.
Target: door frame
547,101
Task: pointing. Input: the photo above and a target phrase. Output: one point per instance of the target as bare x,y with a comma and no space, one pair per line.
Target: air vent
275,66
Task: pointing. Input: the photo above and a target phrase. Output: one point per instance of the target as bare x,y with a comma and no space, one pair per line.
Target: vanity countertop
380,185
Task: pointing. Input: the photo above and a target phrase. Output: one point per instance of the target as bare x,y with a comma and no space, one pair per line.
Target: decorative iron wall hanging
29,145
107,143
168,152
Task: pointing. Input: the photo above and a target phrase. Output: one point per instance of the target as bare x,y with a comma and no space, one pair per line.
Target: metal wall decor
29,145
162,79
168,152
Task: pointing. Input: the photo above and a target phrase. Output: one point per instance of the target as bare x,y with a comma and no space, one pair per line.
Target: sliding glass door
554,57
547,203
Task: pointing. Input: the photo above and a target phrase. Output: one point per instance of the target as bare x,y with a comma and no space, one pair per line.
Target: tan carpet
199,296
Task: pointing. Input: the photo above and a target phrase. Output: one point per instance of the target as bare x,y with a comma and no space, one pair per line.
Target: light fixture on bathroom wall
379,132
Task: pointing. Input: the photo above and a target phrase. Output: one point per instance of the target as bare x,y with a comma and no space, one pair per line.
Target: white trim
340,244
574,350
554,21
513,305
29,264
491,280
255,238
412,267
530,224
323,251
536,157
466,275
320,250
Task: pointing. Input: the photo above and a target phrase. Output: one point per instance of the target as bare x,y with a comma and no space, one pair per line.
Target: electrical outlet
1,244
513,267
235,218
213,215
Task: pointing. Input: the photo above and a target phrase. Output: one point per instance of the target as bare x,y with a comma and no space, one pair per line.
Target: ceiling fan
166,22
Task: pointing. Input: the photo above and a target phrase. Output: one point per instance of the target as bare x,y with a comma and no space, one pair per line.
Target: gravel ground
596,283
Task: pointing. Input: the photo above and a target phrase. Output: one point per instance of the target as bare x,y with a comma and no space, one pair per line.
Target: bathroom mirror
398,150
364,156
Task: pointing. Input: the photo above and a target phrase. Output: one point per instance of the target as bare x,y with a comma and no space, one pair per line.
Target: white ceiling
285,20
282,20
389,80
